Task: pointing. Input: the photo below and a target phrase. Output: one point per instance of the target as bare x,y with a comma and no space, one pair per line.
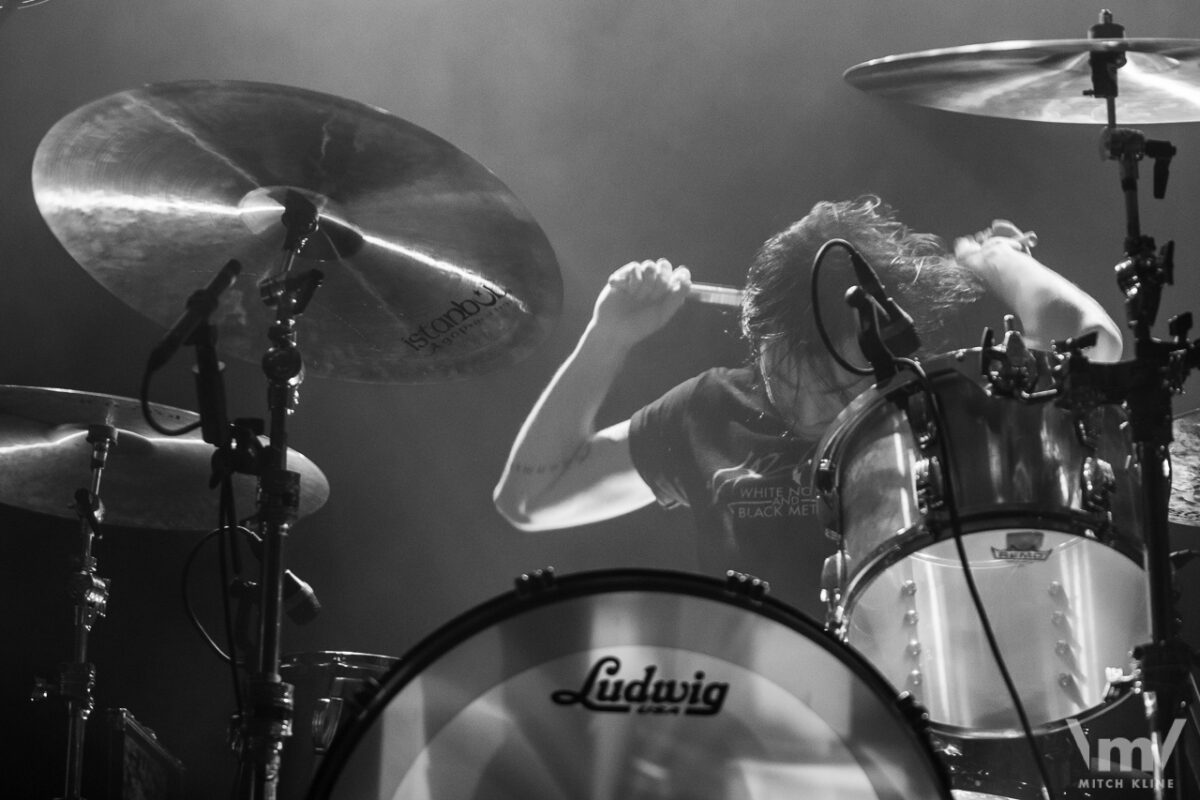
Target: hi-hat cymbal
1184,506
433,269
1043,81
149,481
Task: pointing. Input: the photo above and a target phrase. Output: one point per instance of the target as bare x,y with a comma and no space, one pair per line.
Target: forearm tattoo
557,467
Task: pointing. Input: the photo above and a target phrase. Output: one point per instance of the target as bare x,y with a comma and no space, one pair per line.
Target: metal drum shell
1061,575
330,687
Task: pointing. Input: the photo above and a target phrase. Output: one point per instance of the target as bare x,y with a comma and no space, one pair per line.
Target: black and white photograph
599,400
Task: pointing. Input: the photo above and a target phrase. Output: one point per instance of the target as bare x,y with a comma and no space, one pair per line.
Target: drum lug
930,484
746,586
824,477
1097,480
921,421
913,712
833,577
930,480
326,717
1118,684
536,582
1083,418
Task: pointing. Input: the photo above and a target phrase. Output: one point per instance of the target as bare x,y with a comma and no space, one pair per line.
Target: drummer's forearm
558,429
1050,306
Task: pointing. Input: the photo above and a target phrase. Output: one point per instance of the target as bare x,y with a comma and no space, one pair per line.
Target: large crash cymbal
1043,81
1184,506
149,481
433,269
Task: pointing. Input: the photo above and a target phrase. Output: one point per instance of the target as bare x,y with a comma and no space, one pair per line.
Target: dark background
688,129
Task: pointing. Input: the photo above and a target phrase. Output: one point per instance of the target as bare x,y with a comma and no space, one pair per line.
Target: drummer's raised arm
1050,306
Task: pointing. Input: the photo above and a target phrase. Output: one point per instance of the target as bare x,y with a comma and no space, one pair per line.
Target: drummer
734,445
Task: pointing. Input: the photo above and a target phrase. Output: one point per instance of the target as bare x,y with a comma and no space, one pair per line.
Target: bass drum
632,684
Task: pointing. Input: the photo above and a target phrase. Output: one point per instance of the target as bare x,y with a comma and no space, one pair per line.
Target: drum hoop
844,423
584,584
334,658
1084,717
917,537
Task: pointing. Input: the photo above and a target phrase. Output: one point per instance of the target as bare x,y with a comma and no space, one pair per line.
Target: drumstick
716,294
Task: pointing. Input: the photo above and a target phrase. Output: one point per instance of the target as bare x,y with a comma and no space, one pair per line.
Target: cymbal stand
1145,386
90,593
270,717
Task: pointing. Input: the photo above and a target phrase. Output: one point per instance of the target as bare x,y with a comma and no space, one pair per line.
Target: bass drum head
631,684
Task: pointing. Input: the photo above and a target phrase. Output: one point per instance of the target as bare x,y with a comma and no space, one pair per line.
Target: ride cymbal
1043,81
433,270
150,480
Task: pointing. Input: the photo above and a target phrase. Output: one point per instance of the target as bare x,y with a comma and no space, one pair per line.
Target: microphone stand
270,718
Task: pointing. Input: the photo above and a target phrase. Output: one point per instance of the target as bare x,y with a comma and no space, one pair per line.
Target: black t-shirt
716,445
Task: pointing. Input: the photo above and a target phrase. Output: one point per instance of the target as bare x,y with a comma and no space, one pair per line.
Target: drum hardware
1099,481
535,582
1157,373
49,435
747,586
261,725
870,338
270,720
1011,370
300,601
90,593
260,729
331,689
885,330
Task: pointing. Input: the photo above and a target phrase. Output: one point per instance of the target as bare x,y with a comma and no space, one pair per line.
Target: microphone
199,307
716,295
299,599
898,333
870,338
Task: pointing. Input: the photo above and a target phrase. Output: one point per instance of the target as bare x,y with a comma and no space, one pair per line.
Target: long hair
915,268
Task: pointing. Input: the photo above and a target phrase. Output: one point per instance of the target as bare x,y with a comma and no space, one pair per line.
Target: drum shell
330,688
1057,559
497,704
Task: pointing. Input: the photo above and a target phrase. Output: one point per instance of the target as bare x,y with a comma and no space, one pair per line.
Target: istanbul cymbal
1184,506
433,270
150,480
1043,81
